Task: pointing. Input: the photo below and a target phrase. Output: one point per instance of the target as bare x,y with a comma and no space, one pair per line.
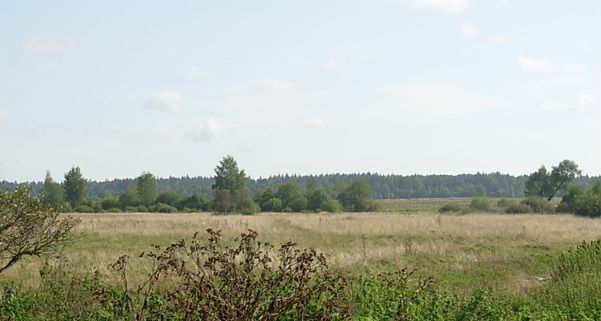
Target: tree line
229,193
383,186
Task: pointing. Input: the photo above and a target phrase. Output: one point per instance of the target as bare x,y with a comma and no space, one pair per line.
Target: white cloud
165,100
49,46
536,65
47,66
496,39
579,103
264,86
444,6
469,31
314,122
3,115
332,65
546,66
206,130
195,73
430,99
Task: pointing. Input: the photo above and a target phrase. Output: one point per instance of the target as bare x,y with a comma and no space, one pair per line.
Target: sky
304,87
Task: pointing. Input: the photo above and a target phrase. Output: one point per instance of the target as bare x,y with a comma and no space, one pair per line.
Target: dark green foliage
75,187
230,191
292,196
317,200
85,209
168,197
147,188
504,203
544,184
568,201
481,204
129,198
52,193
109,203
357,197
518,208
452,207
193,202
269,202
539,204
162,208
587,203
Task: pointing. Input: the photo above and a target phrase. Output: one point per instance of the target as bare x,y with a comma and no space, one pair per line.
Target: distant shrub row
575,200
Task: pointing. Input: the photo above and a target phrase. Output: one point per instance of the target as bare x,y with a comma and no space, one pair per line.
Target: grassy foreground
511,258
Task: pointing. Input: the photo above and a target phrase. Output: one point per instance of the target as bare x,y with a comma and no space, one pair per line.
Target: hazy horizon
388,86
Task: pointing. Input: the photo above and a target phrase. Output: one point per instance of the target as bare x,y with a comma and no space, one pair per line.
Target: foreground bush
247,281
28,227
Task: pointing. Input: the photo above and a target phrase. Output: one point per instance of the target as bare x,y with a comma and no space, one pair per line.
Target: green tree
129,197
268,201
292,197
357,197
547,184
317,200
561,175
231,193
168,197
75,187
147,188
52,193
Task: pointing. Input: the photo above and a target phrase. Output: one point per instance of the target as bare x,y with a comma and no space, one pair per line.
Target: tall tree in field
538,183
231,193
75,187
147,188
52,193
561,175
547,184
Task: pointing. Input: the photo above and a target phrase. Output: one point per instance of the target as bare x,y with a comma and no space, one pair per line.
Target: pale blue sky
387,86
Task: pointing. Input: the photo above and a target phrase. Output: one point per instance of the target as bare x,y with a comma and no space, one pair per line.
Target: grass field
462,252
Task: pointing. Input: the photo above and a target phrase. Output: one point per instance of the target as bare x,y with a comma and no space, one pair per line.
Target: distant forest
383,186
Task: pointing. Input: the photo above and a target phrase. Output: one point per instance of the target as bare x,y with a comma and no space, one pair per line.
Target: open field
462,252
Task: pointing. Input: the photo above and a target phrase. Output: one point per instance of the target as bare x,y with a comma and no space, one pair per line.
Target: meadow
514,259
463,252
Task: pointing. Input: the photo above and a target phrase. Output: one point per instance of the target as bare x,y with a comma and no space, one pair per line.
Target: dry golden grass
280,227
452,247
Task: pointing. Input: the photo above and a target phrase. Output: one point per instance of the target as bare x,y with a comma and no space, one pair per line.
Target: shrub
247,281
163,208
85,209
131,209
504,203
191,203
332,206
272,205
518,208
480,204
109,203
168,197
539,204
141,209
451,207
